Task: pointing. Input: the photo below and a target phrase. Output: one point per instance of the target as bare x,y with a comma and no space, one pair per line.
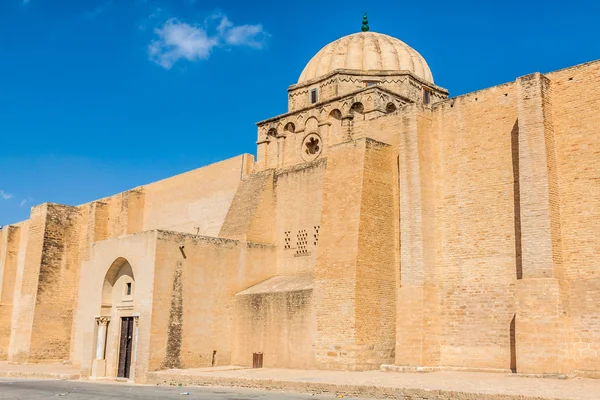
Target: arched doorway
116,327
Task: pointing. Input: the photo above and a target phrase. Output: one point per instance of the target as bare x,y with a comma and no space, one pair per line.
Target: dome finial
365,23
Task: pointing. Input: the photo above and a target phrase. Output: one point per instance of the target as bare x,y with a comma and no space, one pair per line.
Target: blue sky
98,96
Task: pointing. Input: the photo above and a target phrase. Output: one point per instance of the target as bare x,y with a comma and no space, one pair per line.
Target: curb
39,375
378,392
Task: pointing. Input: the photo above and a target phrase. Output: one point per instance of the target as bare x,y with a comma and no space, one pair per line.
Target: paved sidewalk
47,371
392,385
372,384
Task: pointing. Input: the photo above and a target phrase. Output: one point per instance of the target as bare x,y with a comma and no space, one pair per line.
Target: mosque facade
382,225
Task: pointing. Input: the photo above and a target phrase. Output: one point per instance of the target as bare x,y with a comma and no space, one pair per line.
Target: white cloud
178,40
5,196
223,25
249,35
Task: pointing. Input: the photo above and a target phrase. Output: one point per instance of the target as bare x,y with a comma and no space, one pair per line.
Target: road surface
28,389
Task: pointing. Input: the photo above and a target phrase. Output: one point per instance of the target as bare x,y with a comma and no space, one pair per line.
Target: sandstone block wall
194,289
45,283
197,201
542,318
458,234
575,98
514,221
298,194
277,319
354,274
251,216
139,252
58,276
473,186
418,325
40,286
9,255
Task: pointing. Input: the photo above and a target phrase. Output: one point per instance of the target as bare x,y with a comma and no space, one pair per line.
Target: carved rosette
311,147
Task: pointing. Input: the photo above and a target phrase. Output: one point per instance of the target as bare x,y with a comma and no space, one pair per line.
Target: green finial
365,23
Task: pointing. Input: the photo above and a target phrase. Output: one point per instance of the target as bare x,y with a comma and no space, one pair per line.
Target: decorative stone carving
103,321
312,146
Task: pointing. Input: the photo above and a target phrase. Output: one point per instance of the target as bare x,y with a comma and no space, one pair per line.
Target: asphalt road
27,389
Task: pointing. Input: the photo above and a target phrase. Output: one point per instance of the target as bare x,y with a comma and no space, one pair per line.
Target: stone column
101,346
99,363
347,125
280,150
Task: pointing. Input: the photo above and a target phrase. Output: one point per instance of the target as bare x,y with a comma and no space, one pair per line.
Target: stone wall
44,296
475,255
210,272
354,274
9,256
58,276
194,202
458,234
298,194
575,100
139,251
251,216
276,318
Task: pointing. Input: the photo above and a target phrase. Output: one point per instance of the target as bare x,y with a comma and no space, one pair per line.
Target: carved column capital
102,321
136,320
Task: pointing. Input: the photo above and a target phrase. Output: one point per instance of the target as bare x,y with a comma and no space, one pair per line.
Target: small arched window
314,96
390,108
426,96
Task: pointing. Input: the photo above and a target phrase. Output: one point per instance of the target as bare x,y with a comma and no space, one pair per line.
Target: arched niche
335,114
272,132
119,284
312,124
390,108
290,127
357,108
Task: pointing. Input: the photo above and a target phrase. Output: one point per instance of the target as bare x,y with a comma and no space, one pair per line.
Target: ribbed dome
366,51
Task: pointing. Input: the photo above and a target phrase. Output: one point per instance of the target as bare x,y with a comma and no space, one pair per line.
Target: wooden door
125,348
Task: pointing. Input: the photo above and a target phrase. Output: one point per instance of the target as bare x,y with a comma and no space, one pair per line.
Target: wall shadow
514,139
513,345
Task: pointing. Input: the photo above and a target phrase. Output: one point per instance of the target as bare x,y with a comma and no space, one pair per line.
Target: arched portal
116,330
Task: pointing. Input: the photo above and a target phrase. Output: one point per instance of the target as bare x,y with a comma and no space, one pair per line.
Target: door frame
124,312
125,355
